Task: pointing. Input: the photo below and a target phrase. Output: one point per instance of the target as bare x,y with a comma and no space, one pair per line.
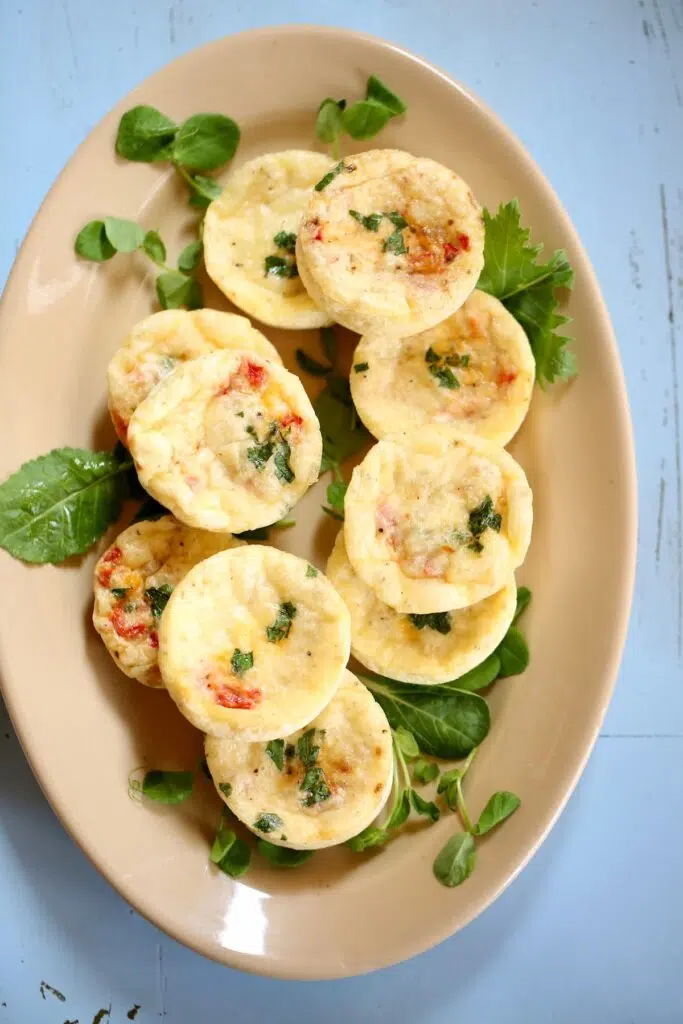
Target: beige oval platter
84,726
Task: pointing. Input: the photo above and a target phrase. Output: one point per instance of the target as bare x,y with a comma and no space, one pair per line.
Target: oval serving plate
84,726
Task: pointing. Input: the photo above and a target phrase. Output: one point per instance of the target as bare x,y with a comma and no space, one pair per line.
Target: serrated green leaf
536,311
343,434
59,504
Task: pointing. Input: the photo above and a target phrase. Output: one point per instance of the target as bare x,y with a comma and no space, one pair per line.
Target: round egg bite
254,641
438,523
160,342
250,232
228,441
423,649
391,242
133,581
472,374
315,787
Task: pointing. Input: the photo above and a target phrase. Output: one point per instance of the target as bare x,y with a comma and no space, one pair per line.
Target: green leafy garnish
483,518
311,365
167,787
371,222
523,599
188,261
499,807
59,504
361,367
267,821
312,571
513,652
440,622
365,119
478,678
241,661
456,861
158,598
281,456
527,289
285,240
231,854
225,788
282,856
281,626
278,266
176,290
92,243
315,787
276,752
306,748
336,492
406,742
427,808
362,120
424,771
330,176
119,592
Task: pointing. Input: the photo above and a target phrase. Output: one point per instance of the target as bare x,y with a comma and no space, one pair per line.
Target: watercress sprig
362,120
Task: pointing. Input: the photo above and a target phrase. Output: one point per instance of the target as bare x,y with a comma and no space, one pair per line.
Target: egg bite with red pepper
227,442
436,523
250,233
133,581
472,374
316,787
390,242
157,344
253,641
422,649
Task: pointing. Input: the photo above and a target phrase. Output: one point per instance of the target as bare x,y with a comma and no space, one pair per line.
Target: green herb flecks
440,622
241,661
157,598
312,571
225,788
282,856
483,518
361,367
119,592
440,368
285,240
280,628
267,821
330,176
278,266
276,752
371,222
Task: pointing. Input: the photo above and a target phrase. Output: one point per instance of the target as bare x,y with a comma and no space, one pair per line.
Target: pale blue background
592,931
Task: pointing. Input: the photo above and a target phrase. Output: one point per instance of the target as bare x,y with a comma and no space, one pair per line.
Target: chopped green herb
445,376
330,176
397,219
280,628
285,240
395,244
306,748
483,518
225,788
371,222
259,455
440,622
311,571
276,752
361,367
278,266
119,592
315,787
283,470
241,661
158,598
424,771
268,822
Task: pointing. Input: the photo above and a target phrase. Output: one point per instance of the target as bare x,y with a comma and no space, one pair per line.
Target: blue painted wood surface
592,930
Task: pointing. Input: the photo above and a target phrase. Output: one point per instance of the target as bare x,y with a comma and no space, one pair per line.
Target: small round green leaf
381,93
124,235
154,247
328,122
405,741
456,861
173,289
365,119
92,243
282,856
145,135
190,256
513,653
206,141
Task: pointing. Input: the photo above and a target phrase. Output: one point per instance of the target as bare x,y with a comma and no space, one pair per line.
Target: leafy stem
459,797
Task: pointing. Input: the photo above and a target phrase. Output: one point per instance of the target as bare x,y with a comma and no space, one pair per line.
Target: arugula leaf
92,243
167,787
446,723
206,141
513,652
241,661
456,861
479,677
361,367
153,246
280,628
315,787
427,808
276,752
499,807
205,189
283,856
440,622
328,123
230,853
406,742
424,771
176,290
523,599
59,504
312,571
188,261
124,235
364,119
158,598
379,92
145,135
267,821
526,288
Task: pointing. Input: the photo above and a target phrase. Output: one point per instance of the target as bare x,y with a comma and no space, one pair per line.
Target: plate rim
266,964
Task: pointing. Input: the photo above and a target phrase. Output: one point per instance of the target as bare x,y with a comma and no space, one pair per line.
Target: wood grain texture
591,930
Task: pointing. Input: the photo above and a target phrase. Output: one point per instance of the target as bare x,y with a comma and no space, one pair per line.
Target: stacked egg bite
250,642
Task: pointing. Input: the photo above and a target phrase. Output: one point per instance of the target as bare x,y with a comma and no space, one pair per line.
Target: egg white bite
228,441
317,786
133,581
250,232
422,649
472,374
254,644
393,243
157,344
433,524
